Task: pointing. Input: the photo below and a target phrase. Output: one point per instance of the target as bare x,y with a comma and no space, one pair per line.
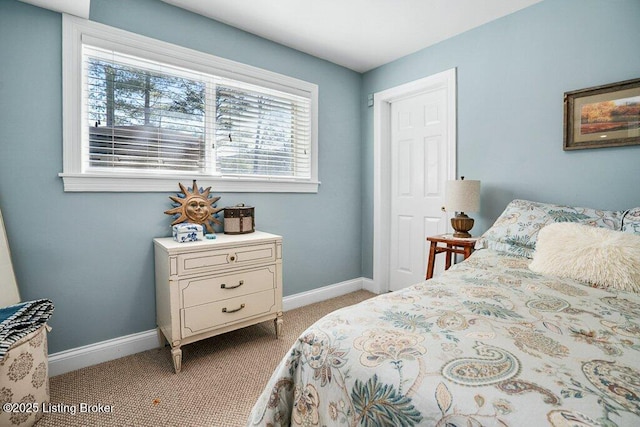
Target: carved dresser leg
278,323
176,354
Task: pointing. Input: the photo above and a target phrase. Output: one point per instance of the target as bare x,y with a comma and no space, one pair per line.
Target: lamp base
462,224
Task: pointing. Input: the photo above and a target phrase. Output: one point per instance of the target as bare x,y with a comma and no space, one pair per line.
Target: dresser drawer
216,259
201,290
200,318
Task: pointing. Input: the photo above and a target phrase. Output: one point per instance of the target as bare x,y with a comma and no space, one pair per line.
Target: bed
540,326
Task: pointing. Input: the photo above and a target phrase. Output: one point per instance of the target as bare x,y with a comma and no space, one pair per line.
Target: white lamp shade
462,196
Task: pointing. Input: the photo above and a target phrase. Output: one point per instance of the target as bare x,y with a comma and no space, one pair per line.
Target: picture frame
602,116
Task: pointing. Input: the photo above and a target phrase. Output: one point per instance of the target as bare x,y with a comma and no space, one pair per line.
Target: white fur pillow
597,256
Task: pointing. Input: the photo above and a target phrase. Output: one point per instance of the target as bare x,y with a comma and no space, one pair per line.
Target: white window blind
261,133
143,115
150,112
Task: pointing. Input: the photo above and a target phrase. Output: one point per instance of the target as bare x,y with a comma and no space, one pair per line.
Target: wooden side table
452,245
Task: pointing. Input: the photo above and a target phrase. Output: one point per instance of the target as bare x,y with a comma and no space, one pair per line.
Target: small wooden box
239,220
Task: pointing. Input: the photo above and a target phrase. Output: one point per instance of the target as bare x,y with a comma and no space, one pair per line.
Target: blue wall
92,253
511,77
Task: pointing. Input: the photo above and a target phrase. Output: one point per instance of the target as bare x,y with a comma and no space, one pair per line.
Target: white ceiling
74,7
357,34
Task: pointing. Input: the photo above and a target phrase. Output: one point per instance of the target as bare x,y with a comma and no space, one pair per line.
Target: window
140,115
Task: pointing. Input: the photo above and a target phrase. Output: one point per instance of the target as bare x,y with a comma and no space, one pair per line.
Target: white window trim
73,29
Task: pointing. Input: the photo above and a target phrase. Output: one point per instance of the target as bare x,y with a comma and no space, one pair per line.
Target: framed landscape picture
602,116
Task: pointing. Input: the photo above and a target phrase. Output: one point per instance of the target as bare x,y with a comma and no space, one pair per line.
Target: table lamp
462,196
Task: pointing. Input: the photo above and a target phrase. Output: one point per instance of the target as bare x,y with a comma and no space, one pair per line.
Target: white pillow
597,256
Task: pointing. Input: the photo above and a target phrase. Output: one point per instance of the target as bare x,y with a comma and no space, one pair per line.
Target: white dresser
210,287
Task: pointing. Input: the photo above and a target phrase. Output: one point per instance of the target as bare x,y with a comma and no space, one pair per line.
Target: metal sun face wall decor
195,206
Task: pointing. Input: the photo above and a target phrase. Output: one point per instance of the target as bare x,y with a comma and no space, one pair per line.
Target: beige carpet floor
220,381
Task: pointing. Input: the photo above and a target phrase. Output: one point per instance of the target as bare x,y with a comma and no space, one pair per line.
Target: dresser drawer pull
224,286
224,310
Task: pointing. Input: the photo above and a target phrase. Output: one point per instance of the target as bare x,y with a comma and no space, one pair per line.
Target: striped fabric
19,320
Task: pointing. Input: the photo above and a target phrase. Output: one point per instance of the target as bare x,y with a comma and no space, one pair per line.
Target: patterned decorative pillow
631,221
516,229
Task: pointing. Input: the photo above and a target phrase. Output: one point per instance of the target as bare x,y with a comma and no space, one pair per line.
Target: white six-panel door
419,170
407,259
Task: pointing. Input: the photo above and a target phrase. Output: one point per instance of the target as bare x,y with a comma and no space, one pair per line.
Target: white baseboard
370,285
324,293
92,354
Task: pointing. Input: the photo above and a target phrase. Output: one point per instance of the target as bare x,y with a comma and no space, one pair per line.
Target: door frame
382,161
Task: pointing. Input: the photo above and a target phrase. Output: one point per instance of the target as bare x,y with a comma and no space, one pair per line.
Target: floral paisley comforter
488,343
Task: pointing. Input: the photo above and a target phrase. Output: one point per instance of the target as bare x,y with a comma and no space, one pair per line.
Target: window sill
136,183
